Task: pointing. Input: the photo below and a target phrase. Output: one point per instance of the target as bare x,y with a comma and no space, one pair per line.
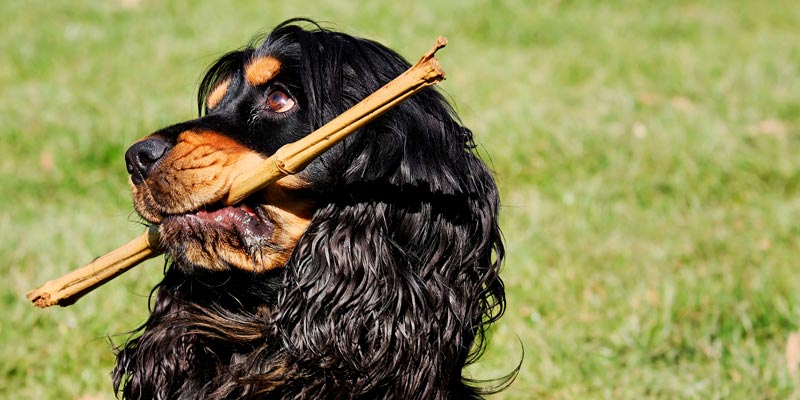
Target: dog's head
252,102
382,255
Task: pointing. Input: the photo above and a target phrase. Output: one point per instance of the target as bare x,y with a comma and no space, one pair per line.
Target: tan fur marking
217,93
261,70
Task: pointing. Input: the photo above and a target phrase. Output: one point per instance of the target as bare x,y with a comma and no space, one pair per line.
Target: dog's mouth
257,234
247,220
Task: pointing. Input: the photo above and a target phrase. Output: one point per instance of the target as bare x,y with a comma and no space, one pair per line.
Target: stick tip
39,299
441,41
435,71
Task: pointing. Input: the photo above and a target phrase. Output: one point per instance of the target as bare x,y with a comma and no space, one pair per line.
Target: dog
371,274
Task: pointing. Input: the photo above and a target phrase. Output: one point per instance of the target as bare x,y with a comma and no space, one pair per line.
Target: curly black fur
391,289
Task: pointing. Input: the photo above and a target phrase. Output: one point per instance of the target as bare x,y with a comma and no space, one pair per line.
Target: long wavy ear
155,362
397,275
197,323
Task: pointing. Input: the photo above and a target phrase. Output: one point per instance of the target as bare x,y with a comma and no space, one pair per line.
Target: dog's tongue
242,218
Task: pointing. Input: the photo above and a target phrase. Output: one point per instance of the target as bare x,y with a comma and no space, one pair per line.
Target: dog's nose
142,155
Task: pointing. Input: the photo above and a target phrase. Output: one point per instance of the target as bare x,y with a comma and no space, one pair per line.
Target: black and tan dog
371,274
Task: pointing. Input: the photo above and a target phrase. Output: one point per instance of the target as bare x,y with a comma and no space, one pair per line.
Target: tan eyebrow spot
218,93
261,70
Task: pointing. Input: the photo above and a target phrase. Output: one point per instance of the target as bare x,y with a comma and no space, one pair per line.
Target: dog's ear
156,362
196,340
397,275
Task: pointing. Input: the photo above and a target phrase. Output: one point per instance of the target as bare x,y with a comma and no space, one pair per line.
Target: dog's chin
222,239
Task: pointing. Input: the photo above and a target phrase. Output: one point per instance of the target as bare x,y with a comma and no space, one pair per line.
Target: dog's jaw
228,237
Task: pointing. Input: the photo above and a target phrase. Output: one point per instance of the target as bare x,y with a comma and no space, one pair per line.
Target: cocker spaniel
371,274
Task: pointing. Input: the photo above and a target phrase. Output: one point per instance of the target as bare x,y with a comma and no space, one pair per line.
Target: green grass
647,154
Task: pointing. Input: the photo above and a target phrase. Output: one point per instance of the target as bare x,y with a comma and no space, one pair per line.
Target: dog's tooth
249,210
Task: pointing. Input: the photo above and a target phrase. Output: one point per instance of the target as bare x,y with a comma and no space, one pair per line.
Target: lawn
647,154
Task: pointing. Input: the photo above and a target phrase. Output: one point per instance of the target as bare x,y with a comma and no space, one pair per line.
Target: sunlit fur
389,291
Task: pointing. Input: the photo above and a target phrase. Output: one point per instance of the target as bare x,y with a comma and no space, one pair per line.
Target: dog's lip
248,219
220,212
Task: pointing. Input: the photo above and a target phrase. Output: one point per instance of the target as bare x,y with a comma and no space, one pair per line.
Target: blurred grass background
646,153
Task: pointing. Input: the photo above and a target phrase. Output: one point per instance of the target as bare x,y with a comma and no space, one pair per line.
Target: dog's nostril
142,155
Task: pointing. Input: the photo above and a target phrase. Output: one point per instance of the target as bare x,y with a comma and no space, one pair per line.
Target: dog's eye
279,102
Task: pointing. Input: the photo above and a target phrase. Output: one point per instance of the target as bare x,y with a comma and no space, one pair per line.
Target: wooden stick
289,159
72,286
